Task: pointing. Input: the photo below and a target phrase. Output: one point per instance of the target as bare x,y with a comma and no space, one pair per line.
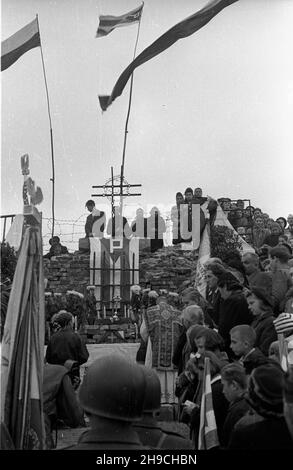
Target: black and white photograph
146,230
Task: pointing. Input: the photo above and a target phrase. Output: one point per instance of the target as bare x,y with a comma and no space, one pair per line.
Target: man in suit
94,216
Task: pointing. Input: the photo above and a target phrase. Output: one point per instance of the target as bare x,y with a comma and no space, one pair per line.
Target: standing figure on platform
156,228
95,215
175,218
161,329
139,224
118,225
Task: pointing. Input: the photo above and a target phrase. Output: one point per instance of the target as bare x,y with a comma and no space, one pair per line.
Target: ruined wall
169,268
67,272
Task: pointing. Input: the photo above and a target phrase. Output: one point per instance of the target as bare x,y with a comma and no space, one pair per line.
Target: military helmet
152,400
113,388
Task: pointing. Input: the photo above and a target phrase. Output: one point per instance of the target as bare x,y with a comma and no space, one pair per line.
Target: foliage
224,242
8,262
5,293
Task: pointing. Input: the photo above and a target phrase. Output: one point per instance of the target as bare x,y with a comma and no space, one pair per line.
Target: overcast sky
215,110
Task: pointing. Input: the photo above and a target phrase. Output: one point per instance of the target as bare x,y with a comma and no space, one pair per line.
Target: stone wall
169,268
67,272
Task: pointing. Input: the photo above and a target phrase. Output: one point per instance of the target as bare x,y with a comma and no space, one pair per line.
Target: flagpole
127,117
51,135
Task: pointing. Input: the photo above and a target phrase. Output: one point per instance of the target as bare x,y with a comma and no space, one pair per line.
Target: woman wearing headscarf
260,304
65,344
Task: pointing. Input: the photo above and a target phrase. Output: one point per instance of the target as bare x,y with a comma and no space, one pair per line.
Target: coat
233,311
253,359
66,344
153,437
266,434
237,410
265,331
109,436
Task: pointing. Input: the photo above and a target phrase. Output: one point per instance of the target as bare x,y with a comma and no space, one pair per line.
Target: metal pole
51,136
127,119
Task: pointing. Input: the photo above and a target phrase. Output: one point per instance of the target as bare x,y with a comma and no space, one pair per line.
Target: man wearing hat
233,309
112,395
265,396
148,429
56,248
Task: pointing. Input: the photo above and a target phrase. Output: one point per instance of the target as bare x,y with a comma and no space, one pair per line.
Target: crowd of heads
257,227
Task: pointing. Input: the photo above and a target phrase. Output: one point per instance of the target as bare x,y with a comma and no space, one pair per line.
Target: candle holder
116,299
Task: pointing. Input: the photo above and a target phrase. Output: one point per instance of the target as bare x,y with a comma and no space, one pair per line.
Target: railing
4,218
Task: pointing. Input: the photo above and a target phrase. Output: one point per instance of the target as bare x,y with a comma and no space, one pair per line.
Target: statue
29,188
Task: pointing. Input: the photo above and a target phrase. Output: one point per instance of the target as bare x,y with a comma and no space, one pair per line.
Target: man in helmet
112,395
148,430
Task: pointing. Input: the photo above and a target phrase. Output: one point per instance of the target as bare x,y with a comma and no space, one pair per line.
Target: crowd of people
254,226
257,227
243,325
236,326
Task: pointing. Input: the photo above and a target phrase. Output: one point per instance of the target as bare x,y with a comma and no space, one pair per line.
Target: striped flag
208,435
16,45
222,220
22,354
181,30
203,256
109,22
283,351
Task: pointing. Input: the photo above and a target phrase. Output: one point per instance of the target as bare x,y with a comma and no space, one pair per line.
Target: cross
121,190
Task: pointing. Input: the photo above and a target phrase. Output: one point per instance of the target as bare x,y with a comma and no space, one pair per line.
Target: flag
203,256
16,45
181,30
222,220
22,354
283,351
208,434
109,22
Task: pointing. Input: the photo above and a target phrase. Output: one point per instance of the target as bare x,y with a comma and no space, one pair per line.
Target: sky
215,110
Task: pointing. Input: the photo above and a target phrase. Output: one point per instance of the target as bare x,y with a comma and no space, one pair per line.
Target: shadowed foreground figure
112,395
148,430
265,396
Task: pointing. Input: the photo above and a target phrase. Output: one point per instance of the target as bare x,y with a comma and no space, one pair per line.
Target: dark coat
59,401
66,344
214,300
269,434
233,311
254,359
91,219
177,358
153,437
265,331
114,435
236,410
